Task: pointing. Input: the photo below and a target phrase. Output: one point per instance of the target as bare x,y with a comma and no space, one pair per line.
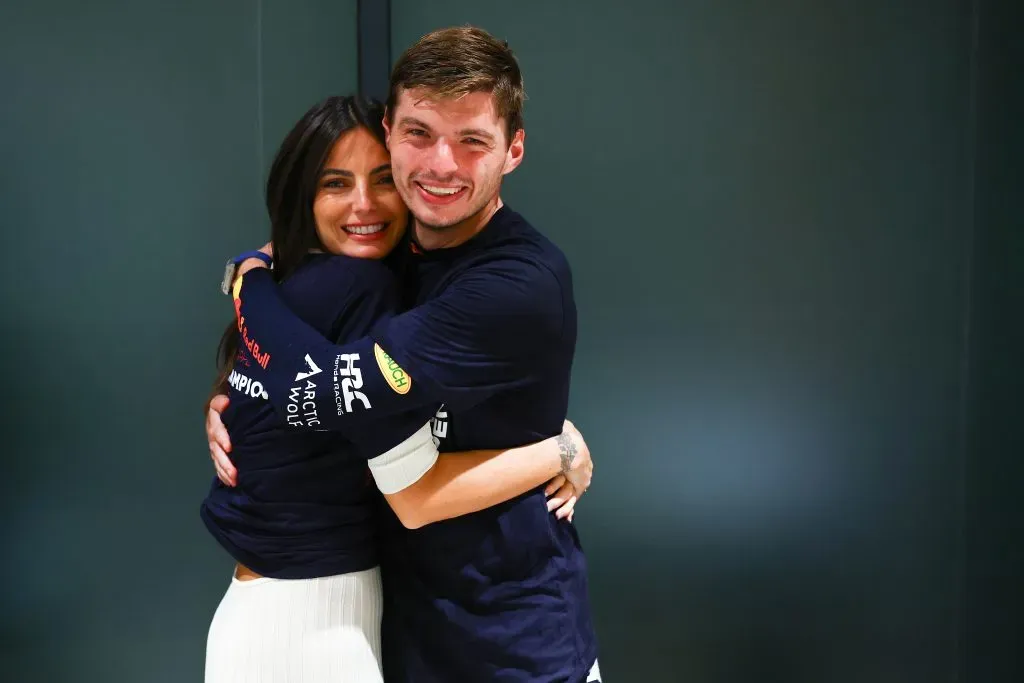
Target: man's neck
460,233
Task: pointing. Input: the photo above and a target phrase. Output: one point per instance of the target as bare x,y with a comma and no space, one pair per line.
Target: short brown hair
457,61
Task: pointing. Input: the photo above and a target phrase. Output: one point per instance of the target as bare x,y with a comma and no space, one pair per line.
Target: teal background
796,235
135,138
785,324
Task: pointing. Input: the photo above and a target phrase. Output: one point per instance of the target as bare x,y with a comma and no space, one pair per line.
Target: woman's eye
387,180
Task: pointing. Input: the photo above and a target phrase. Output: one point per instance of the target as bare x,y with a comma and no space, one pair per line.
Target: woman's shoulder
326,288
341,264
319,270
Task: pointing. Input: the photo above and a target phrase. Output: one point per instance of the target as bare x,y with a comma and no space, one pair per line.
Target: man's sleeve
406,462
486,334
479,337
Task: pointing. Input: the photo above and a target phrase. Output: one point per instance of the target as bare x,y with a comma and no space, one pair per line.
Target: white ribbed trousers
324,630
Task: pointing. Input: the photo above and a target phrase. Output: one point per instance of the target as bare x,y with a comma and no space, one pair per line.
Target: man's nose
442,161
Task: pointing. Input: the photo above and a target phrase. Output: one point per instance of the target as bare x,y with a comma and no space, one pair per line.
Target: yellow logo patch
393,373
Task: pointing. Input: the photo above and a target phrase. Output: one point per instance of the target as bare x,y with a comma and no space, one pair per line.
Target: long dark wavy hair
291,189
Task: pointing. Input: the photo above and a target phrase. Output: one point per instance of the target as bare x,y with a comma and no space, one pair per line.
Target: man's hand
577,470
250,263
220,442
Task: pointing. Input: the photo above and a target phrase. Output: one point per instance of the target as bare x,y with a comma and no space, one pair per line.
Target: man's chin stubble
448,224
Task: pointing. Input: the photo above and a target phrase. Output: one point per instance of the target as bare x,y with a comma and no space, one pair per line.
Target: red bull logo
262,358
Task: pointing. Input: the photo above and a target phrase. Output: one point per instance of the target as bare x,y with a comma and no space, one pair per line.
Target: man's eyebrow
410,121
476,132
473,132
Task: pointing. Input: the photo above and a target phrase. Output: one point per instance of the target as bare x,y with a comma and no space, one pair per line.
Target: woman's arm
460,483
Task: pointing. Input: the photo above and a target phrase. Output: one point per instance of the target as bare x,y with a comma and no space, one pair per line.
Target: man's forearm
313,383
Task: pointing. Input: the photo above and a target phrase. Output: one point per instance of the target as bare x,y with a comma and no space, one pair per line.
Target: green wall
765,208
135,137
797,248
994,524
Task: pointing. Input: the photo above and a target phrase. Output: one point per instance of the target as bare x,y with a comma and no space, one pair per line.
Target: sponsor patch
301,405
395,376
439,424
348,378
311,369
262,358
246,385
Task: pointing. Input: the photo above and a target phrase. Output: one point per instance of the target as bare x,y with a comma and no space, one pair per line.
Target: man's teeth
364,229
440,191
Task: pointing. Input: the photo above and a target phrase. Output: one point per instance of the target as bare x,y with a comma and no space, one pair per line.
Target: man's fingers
566,509
222,475
553,485
571,513
219,441
222,464
219,403
216,432
220,433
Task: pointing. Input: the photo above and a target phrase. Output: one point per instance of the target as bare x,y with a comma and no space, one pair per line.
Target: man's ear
387,129
516,149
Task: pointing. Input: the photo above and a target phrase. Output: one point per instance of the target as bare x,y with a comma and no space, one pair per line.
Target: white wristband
406,463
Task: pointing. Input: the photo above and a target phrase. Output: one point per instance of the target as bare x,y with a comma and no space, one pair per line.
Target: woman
305,600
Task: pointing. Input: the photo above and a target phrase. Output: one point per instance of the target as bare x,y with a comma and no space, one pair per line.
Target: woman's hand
577,471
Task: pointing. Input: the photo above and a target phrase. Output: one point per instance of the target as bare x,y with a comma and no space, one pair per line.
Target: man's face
449,155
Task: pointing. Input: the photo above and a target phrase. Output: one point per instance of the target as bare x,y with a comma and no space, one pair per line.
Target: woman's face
357,210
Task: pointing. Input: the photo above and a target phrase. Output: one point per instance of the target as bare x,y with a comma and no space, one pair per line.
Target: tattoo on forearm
567,451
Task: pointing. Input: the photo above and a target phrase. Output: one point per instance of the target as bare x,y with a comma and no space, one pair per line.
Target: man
499,595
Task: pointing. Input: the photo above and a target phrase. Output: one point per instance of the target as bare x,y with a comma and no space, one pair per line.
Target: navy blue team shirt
497,595
305,505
